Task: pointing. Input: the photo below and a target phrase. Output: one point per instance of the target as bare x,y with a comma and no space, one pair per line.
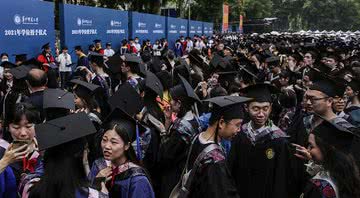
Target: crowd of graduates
272,115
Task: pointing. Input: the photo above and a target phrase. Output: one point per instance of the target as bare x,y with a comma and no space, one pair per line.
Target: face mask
4,60
136,41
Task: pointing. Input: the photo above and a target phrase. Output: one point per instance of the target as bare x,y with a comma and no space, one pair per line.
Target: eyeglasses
312,100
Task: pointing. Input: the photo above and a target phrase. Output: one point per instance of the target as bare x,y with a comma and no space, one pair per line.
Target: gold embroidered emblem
270,153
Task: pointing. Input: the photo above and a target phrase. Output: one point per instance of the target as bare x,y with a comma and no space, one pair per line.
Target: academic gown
8,187
132,183
213,178
260,171
37,99
173,153
317,188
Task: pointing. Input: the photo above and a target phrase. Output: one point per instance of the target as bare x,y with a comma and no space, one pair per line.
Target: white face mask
4,60
136,41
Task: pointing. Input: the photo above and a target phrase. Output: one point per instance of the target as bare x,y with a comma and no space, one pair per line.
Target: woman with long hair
63,174
335,173
175,142
119,167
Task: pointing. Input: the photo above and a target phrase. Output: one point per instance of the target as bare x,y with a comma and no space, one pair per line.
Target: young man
259,156
209,172
82,59
64,60
98,47
108,52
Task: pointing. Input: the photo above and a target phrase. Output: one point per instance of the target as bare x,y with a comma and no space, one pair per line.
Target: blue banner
208,28
80,25
147,26
195,28
175,28
26,25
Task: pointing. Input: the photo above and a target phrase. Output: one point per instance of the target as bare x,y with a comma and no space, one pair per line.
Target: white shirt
138,47
64,60
109,52
189,46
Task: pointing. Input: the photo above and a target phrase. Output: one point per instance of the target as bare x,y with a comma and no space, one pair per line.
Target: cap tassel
138,146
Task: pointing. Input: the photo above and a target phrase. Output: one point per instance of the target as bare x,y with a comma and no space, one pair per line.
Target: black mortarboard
108,44
47,45
127,121
57,98
114,63
273,59
20,72
183,90
92,88
7,64
62,130
20,57
229,107
328,86
97,41
218,61
127,99
153,83
78,47
354,84
334,135
32,62
96,58
132,58
261,92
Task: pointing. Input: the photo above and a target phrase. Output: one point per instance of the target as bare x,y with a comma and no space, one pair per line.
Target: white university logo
83,22
27,20
157,25
114,23
141,25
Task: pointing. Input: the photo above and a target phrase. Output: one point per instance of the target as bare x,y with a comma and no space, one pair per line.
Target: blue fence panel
175,28
80,25
195,28
147,26
26,25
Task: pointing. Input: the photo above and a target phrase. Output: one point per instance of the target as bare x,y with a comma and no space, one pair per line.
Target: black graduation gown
37,99
260,171
213,179
298,135
172,157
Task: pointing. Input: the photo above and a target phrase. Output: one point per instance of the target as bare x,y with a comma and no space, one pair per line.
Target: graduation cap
97,41
85,87
7,64
20,57
45,46
108,44
228,107
31,62
114,63
127,99
57,98
327,85
354,84
130,125
334,135
154,83
63,130
20,72
273,60
96,58
219,62
184,90
132,58
78,48
261,92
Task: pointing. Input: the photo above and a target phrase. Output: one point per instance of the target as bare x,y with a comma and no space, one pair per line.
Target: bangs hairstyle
124,129
24,109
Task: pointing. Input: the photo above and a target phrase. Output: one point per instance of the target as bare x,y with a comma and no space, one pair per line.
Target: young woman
21,156
175,142
335,173
124,177
64,174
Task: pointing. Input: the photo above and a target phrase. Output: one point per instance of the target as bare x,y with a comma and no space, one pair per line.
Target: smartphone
20,143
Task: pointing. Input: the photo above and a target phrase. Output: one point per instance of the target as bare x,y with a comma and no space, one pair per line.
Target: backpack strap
186,186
